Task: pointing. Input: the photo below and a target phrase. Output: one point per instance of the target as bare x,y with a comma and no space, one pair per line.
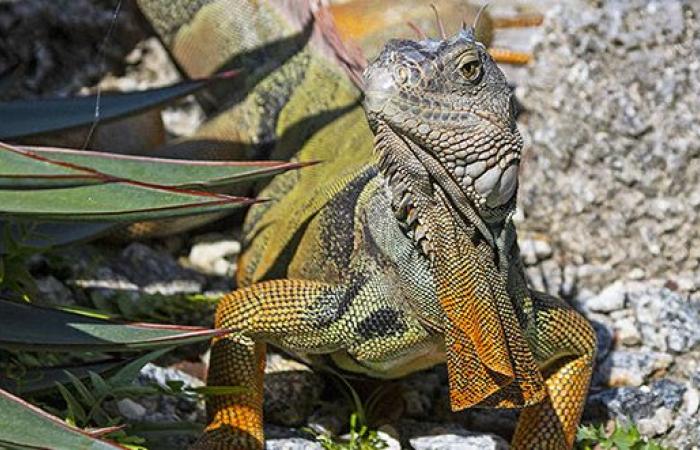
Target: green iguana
397,252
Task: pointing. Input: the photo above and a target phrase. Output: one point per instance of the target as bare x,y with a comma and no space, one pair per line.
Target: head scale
452,102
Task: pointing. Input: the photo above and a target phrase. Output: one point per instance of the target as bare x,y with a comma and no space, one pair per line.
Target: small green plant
14,272
360,438
621,436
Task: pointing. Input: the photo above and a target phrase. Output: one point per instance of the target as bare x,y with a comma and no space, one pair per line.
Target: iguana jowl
395,262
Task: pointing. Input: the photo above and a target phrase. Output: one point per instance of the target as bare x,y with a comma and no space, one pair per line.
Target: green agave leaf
43,235
28,117
26,426
122,201
41,167
27,327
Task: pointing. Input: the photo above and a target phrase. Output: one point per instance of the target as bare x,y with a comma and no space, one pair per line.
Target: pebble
612,298
53,292
656,425
627,333
212,256
632,367
459,442
130,409
292,391
292,444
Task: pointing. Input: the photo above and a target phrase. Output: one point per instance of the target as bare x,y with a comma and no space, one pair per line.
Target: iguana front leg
564,344
273,308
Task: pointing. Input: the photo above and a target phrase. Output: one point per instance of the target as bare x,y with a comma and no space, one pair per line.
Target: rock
656,425
419,392
157,272
667,320
212,255
330,417
151,373
292,390
604,338
130,409
613,165
53,293
57,43
635,403
685,433
534,250
167,408
632,367
292,444
626,332
691,401
612,298
391,442
459,442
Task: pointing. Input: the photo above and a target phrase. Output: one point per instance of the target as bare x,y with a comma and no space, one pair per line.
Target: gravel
612,170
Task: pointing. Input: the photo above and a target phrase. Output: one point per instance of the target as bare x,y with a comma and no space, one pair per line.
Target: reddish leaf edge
93,174
52,418
188,330
112,179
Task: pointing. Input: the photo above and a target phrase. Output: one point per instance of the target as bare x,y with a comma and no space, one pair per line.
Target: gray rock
130,409
167,408
61,55
626,332
292,444
459,442
635,403
53,292
612,298
685,433
292,390
631,367
612,168
138,269
667,320
157,272
534,250
657,424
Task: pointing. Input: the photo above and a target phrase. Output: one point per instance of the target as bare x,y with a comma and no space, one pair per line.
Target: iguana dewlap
394,256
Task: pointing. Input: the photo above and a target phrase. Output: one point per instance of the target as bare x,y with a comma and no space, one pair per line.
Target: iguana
397,252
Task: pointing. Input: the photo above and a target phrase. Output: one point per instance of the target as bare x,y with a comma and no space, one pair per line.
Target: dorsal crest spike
480,23
440,26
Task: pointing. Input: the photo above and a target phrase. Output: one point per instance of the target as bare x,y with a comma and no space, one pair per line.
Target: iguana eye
471,70
402,74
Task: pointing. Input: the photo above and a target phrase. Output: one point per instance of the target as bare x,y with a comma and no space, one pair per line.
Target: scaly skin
390,257
396,256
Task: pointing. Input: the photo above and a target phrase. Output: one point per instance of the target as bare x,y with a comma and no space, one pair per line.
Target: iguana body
397,252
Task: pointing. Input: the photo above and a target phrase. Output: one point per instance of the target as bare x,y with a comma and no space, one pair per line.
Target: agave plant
65,195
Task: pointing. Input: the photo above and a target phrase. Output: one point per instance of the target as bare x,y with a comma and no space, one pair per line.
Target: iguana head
450,104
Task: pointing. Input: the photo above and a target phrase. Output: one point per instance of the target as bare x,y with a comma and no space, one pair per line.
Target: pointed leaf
28,117
17,417
123,201
43,378
128,373
24,326
76,413
43,167
44,235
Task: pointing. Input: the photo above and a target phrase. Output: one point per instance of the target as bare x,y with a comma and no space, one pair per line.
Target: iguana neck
418,184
